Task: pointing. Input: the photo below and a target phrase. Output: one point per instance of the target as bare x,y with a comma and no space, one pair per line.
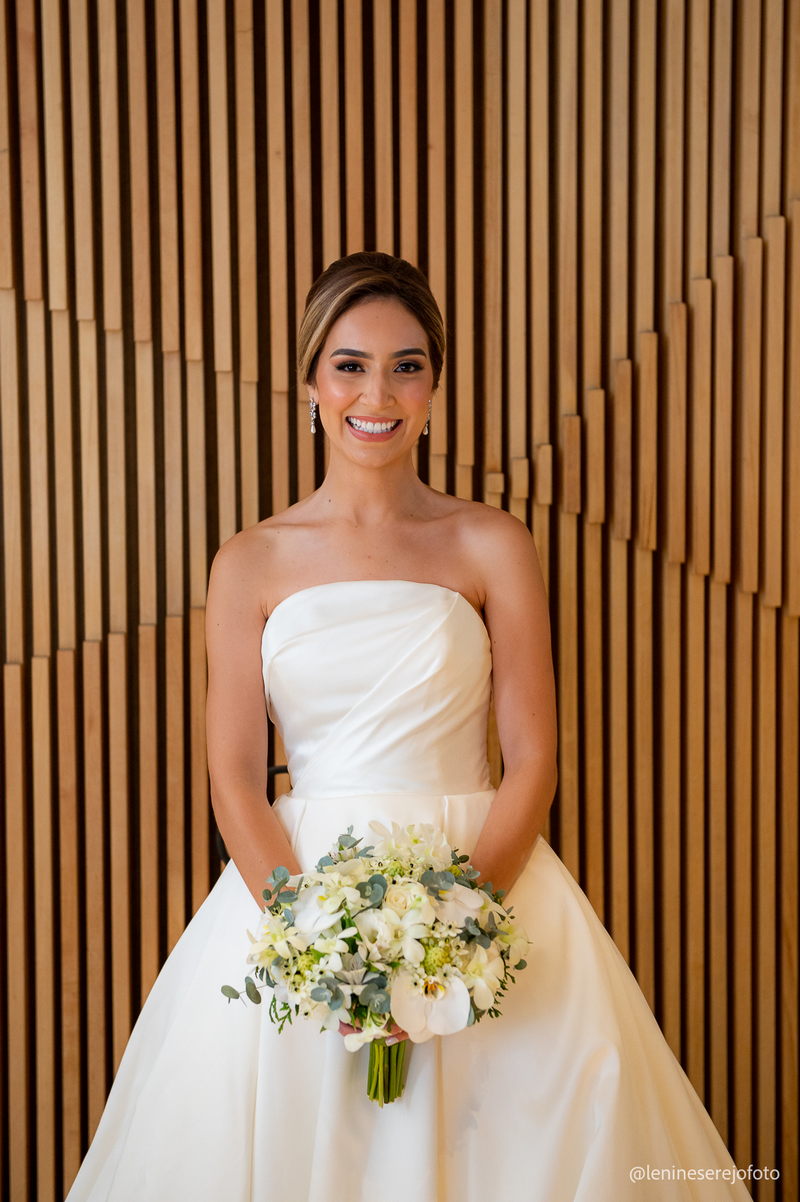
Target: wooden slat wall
606,198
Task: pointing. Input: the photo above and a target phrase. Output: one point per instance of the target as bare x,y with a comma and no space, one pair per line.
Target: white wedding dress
380,690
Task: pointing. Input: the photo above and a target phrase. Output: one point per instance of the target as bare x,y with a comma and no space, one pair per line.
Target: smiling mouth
370,427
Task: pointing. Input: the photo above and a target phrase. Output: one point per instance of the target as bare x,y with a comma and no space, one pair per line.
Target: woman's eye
349,365
409,365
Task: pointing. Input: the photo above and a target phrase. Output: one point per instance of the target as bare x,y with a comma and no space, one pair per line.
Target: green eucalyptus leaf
252,991
230,993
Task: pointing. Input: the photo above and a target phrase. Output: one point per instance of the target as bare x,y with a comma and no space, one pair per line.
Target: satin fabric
380,690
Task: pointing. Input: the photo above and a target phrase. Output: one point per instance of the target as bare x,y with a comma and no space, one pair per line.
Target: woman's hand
396,1034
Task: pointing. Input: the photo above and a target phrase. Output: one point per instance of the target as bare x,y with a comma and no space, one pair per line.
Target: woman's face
373,381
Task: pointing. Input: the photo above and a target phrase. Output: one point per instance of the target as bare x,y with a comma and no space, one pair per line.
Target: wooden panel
622,450
11,449
219,164
750,420
771,534
38,471
647,451
246,216
792,523
95,833
723,417
52,88
110,163
119,843
29,175
675,482
139,172
6,263
18,978
69,919
606,198
82,160
168,212
700,302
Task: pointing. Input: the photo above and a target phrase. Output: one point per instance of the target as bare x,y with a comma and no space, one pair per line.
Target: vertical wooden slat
148,805
693,833
676,433
91,506
673,35
146,483
618,126
766,779
82,161
174,530
279,317
646,122
592,118
697,134
63,480
644,783
382,115
773,93
42,776
191,192
462,360
168,211
10,448
19,966
718,823
354,123
302,214
109,163
792,523
773,418
408,84
219,166
69,925
789,768
138,136
647,450
700,303
38,475
119,843
495,124
246,217
176,784
747,124
622,408
721,116
437,221
28,117
749,432
669,786
723,416
742,868
95,827
6,225
197,752
53,103
516,347
117,495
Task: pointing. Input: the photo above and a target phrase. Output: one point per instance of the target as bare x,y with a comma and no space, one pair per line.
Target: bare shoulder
498,546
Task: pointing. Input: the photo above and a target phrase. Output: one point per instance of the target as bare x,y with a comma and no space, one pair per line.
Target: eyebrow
410,350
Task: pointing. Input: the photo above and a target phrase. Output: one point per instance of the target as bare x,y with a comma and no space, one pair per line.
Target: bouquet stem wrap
386,1073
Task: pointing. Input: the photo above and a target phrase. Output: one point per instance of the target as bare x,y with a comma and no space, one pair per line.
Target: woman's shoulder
484,526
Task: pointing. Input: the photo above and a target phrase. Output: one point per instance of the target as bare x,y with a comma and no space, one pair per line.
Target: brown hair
359,277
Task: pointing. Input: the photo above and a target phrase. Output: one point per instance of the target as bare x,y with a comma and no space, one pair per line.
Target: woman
373,618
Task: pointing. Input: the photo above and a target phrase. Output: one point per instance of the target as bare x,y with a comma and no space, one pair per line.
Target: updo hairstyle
360,277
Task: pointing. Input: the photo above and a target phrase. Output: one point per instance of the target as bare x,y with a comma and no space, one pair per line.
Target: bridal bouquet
395,935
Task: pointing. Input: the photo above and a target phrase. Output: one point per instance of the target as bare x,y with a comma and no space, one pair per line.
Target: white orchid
483,975
421,841
320,906
428,1006
274,939
458,904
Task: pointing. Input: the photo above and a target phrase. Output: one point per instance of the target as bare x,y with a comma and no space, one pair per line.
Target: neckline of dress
312,588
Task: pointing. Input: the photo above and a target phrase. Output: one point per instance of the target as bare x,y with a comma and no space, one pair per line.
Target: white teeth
372,427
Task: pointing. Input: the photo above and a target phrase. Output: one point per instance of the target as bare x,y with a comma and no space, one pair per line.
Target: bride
371,622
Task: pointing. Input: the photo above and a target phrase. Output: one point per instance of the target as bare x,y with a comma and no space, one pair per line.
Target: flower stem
385,1075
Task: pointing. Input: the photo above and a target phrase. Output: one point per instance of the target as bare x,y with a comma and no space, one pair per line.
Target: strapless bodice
379,686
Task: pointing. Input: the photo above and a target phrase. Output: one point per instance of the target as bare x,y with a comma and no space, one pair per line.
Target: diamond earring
312,413
428,418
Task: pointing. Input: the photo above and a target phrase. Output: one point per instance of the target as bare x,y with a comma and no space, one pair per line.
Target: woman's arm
517,619
236,718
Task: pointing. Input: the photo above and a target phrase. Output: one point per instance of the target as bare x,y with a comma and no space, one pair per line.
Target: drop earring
428,418
312,413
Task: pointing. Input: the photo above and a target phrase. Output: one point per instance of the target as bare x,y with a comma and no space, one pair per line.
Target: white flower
424,842
483,975
274,939
320,906
356,1039
410,898
429,1007
379,929
458,904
